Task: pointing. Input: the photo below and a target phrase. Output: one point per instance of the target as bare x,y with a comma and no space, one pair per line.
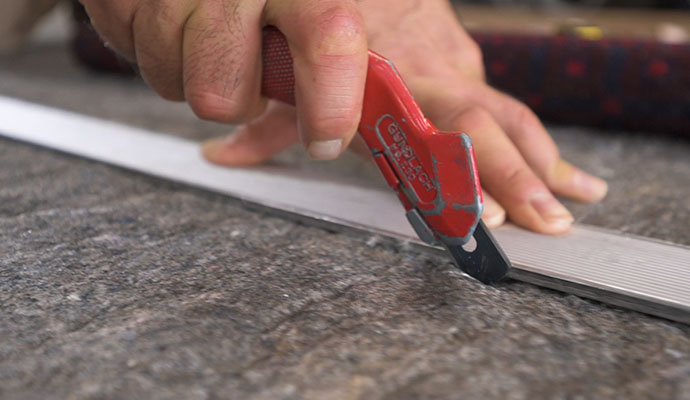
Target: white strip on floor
641,274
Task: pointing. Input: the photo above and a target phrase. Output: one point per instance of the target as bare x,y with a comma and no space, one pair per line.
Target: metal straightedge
636,273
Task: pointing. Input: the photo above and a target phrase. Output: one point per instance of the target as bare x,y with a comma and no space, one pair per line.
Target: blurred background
610,64
613,64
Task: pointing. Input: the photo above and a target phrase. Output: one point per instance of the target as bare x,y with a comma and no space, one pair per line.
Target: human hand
208,52
519,164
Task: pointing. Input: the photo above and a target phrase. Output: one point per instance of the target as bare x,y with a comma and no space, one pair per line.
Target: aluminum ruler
632,272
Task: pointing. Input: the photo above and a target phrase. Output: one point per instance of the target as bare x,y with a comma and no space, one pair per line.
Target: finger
570,181
222,60
502,170
257,141
507,176
329,47
539,150
113,21
494,215
158,28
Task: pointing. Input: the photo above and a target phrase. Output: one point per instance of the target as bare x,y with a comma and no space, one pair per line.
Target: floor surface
117,285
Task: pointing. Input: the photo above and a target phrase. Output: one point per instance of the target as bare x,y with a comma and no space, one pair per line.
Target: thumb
257,141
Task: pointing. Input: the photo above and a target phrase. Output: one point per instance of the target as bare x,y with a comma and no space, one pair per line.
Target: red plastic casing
432,172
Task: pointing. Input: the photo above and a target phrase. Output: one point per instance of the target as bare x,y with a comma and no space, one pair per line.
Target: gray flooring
116,285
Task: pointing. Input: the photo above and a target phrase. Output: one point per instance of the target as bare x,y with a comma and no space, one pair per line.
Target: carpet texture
116,285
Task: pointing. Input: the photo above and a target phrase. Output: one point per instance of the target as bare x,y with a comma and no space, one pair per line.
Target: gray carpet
116,285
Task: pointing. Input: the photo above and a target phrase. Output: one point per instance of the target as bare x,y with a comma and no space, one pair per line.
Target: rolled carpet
640,85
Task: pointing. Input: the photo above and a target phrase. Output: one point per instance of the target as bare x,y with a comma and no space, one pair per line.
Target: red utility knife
434,173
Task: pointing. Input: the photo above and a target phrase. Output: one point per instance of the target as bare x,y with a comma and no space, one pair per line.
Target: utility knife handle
434,173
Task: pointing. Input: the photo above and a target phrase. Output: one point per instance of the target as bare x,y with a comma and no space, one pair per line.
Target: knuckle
524,117
518,181
473,116
211,106
339,32
474,54
515,175
160,12
337,125
168,91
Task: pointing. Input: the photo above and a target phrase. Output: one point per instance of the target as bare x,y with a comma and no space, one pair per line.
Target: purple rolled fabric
622,84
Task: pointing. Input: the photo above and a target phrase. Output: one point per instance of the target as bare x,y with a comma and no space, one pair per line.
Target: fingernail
594,188
551,210
211,147
493,216
325,149
494,221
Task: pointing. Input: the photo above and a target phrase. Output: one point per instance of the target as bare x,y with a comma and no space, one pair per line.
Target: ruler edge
664,309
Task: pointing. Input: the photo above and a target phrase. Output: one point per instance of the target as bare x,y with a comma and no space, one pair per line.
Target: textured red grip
434,173
278,75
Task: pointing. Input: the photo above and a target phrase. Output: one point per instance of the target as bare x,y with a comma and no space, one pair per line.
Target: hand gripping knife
433,173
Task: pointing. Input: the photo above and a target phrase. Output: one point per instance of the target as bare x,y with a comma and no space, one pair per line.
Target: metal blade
486,262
